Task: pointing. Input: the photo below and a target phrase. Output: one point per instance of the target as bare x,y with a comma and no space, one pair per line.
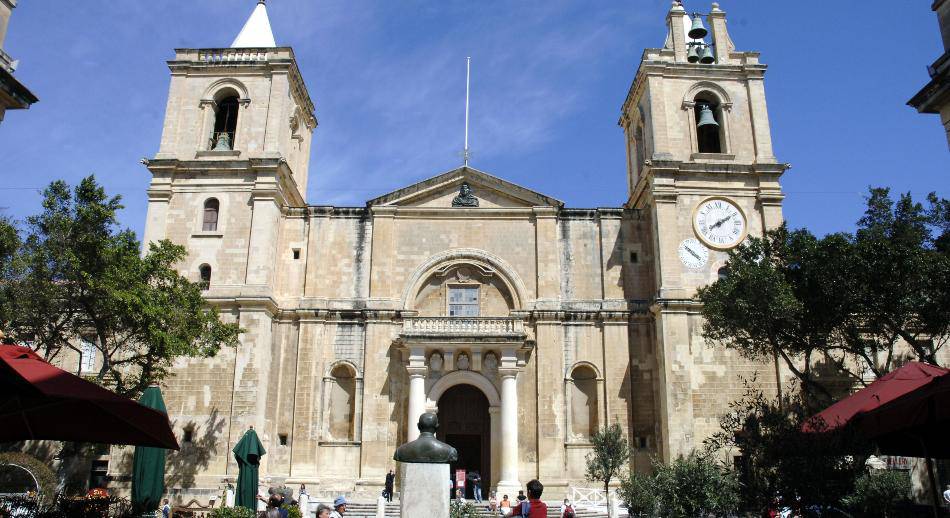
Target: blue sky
549,77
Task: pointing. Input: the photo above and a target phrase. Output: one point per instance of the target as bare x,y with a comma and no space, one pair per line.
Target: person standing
323,511
946,496
339,507
390,480
166,509
477,487
533,507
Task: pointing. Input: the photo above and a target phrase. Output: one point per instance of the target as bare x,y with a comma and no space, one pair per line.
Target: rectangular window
87,363
463,301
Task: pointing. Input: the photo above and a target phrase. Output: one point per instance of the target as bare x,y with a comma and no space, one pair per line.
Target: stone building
525,324
935,96
13,95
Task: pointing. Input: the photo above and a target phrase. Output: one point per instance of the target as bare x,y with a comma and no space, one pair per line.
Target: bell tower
232,162
702,171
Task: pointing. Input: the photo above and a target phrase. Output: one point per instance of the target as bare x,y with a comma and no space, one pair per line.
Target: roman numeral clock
719,223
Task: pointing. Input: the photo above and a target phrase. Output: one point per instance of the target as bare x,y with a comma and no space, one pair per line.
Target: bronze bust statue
465,197
426,449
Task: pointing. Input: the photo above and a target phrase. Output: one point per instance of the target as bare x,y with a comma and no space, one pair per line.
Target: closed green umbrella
148,463
248,453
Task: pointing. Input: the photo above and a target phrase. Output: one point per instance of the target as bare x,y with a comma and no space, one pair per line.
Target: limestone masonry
524,324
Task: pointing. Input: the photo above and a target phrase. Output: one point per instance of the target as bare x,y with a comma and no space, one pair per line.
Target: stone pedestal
424,490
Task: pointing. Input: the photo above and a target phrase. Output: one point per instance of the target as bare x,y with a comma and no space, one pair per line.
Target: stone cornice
284,186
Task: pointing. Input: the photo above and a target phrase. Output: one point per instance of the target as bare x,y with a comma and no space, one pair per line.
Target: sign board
895,462
460,480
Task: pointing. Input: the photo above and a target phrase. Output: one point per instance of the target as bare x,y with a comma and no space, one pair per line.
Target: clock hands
692,253
720,222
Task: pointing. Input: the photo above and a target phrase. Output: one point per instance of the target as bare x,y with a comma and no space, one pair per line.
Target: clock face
693,254
719,223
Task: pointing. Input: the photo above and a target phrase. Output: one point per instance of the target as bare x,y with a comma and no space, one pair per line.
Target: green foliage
835,307
292,511
39,469
77,275
462,509
233,512
609,456
690,486
880,494
779,460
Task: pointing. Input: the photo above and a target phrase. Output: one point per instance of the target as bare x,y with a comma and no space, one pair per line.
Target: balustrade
498,326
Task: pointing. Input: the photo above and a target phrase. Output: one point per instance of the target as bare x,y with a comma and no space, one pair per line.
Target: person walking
533,507
477,487
567,510
390,480
339,507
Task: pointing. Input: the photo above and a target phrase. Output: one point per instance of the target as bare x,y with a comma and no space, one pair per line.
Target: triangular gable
439,191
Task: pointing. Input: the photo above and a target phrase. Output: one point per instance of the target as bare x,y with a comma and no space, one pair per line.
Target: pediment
440,191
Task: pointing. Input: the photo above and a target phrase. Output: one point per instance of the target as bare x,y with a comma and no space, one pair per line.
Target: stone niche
480,286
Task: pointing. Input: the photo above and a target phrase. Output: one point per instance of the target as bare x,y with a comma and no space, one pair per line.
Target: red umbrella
39,401
901,401
905,412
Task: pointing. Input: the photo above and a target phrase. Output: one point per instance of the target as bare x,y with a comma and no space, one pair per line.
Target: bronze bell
706,56
697,31
706,117
693,54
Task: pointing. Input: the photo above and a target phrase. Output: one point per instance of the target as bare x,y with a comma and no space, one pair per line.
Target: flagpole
468,71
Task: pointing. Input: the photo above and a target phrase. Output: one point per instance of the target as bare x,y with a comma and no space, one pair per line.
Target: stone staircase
367,509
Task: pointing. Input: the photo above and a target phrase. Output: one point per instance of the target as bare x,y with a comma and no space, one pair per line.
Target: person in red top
533,507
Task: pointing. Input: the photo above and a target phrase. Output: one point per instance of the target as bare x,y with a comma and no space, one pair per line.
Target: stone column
417,400
509,432
494,416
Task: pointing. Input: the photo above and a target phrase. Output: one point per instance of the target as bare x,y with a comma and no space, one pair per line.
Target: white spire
256,32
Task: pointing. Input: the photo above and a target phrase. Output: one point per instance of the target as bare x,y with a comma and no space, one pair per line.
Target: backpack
569,511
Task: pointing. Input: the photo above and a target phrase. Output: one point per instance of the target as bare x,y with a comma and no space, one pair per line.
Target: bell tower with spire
702,173
232,161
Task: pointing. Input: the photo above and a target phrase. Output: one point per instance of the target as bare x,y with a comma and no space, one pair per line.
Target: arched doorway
464,423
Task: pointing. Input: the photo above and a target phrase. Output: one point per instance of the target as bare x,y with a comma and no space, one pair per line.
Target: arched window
342,403
204,275
708,124
584,402
225,123
209,221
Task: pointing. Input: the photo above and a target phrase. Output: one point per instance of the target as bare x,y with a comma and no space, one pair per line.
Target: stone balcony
463,329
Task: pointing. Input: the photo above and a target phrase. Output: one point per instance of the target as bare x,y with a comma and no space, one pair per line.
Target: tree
77,276
842,308
609,457
880,494
689,486
779,460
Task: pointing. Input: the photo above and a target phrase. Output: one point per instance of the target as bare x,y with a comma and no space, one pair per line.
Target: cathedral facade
526,325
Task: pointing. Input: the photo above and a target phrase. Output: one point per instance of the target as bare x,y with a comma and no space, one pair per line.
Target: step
365,509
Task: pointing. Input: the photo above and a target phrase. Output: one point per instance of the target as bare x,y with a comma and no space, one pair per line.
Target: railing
225,56
462,326
590,497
